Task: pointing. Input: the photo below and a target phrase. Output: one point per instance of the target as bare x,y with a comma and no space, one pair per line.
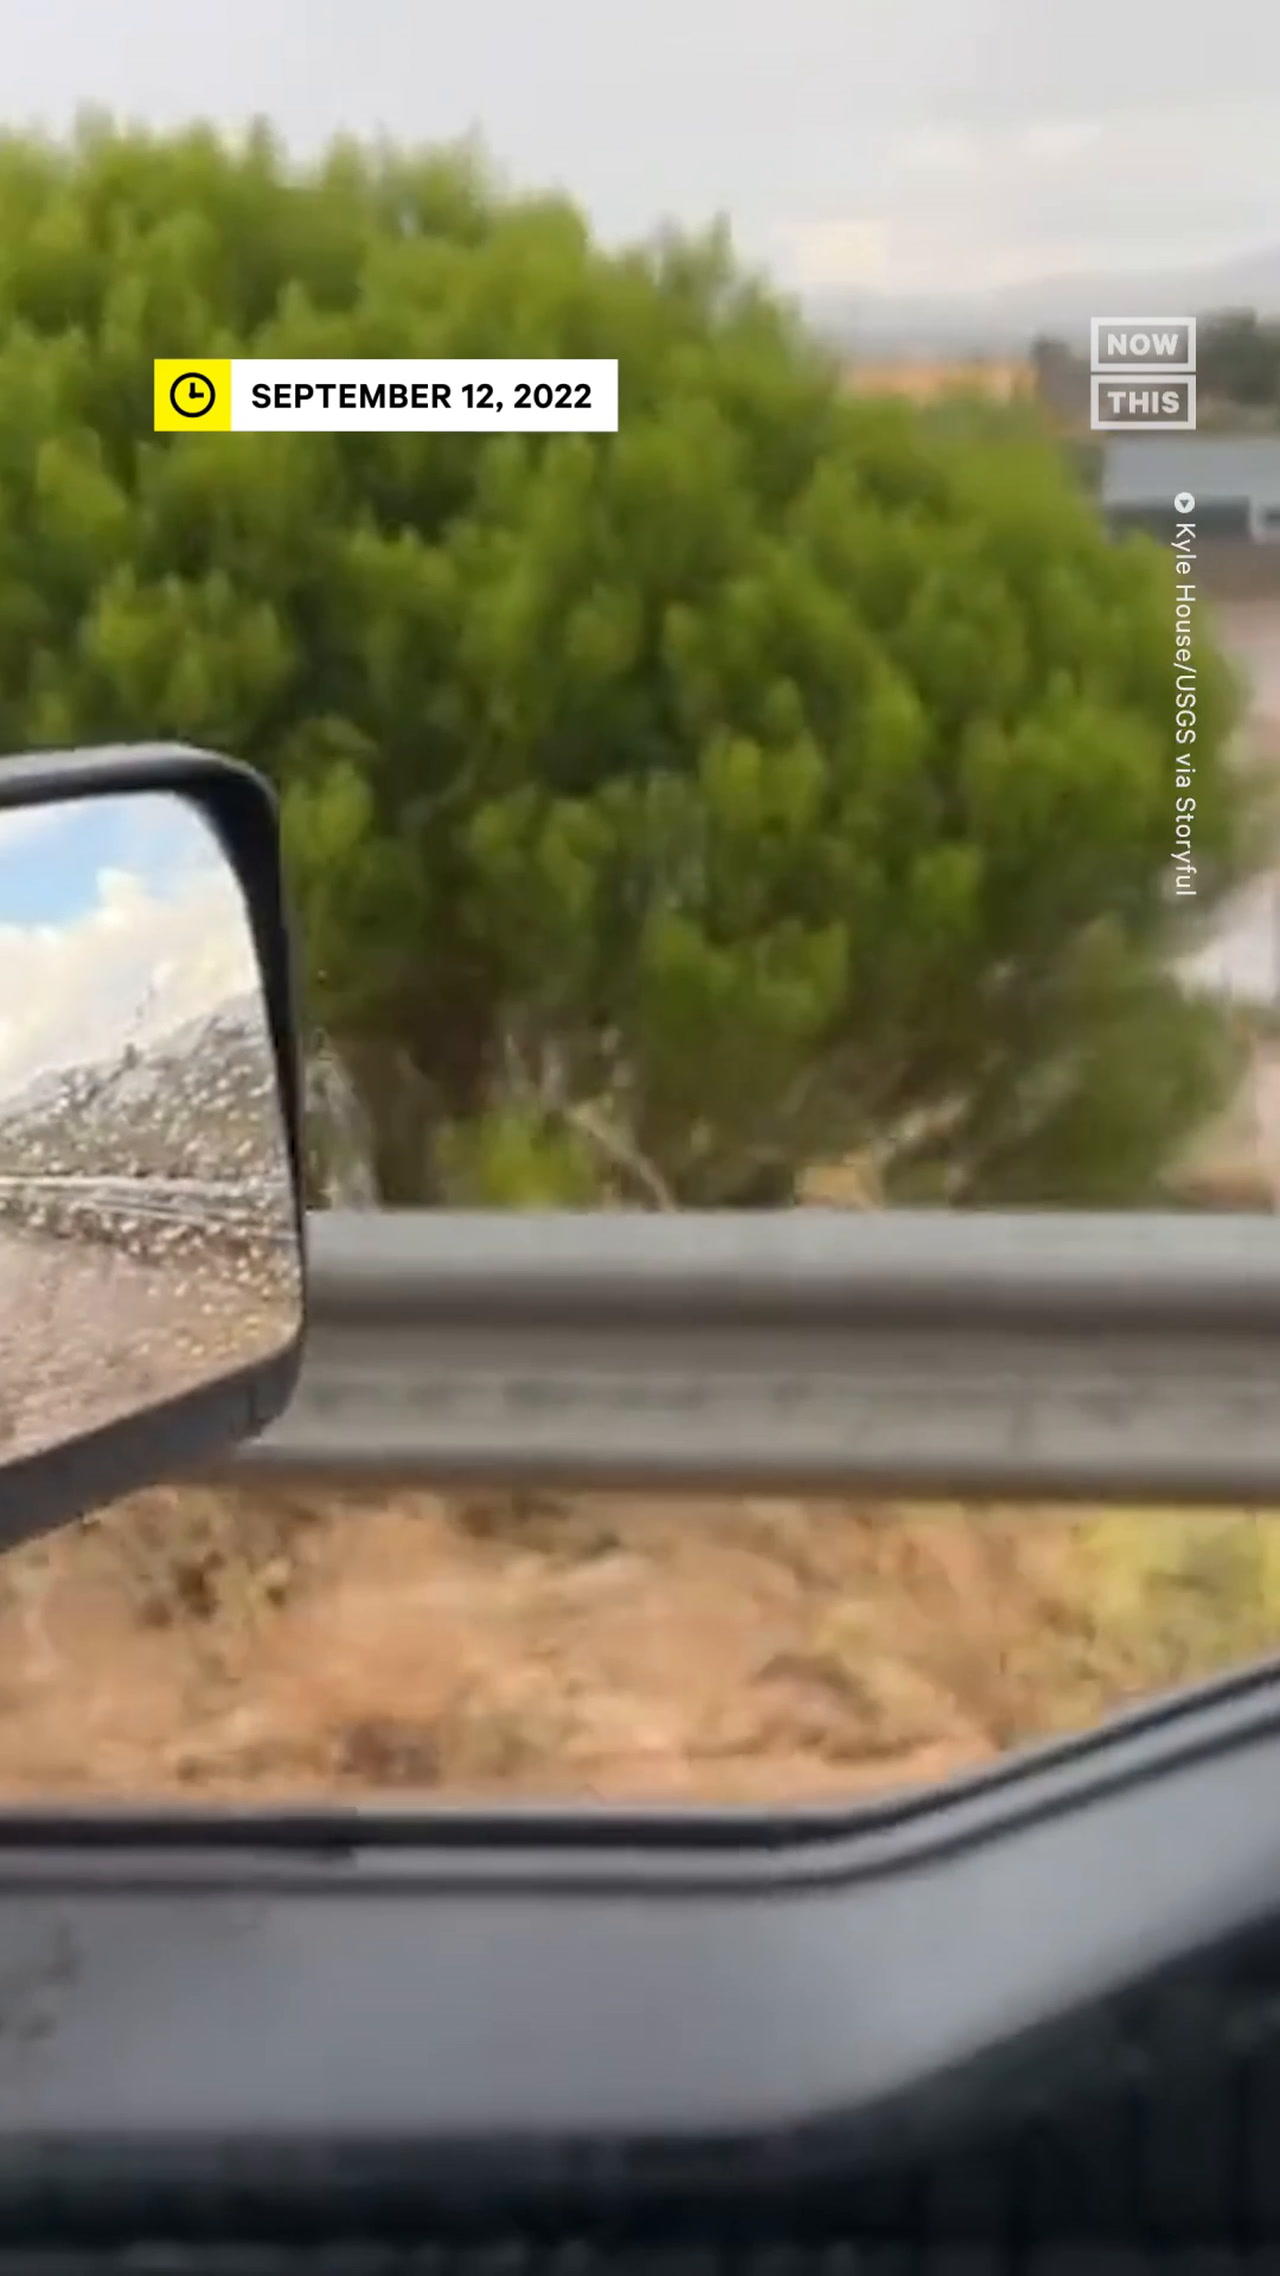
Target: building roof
1144,470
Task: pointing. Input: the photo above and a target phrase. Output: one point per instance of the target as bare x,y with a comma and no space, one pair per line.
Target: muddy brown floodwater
1249,630
90,1333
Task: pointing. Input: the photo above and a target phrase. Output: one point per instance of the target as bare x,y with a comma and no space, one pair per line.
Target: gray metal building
1234,479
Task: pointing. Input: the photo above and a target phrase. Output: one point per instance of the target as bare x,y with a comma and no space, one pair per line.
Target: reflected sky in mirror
122,919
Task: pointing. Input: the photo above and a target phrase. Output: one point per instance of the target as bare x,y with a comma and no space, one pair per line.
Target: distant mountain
197,1102
1007,319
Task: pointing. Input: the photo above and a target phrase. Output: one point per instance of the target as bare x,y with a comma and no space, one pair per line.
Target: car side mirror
152,1236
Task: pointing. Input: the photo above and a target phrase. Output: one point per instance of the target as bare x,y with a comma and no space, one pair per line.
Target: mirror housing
139,1224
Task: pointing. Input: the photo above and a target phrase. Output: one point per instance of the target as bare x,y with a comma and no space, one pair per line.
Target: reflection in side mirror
148,1236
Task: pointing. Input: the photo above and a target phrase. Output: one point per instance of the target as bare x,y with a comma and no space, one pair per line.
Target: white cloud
977,207
23,823
134,965
940,150
1051,139
835,253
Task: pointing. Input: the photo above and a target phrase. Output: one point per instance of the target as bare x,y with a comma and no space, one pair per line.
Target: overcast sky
907,145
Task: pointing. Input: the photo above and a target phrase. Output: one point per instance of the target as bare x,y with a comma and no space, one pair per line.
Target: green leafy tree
784,776
1238,358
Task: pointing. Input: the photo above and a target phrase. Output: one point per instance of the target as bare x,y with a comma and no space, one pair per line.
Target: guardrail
132,1210
915,1353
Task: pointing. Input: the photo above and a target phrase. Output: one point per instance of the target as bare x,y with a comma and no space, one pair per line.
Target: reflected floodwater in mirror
147,1236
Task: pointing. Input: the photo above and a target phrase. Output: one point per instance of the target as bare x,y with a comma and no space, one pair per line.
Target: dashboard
1038,2009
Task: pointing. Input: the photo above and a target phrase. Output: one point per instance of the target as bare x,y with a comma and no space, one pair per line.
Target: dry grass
219,1644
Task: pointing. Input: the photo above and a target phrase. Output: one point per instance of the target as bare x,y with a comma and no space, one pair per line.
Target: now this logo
1143,372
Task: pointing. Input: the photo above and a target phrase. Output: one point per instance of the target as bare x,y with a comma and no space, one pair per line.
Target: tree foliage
1238,359
782,776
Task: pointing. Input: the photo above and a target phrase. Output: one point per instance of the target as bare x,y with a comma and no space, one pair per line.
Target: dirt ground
214,1645
90,1333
